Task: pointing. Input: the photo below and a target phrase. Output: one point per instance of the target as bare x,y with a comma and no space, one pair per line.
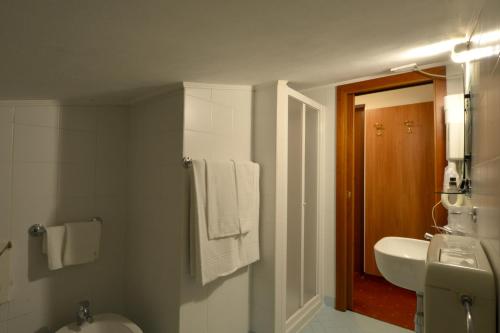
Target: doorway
394,177
380,143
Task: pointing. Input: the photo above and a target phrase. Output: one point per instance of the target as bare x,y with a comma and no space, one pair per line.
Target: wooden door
399,174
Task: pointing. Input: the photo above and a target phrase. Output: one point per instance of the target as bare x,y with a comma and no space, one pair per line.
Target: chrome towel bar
37,229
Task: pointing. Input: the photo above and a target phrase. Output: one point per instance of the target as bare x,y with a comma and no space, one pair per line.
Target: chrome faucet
83,315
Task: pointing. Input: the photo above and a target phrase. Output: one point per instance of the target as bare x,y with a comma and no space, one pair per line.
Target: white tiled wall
217,125
156,213
485,86
61,164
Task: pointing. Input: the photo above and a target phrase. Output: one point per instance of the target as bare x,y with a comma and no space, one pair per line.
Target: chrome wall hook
187,162
409,124
379,128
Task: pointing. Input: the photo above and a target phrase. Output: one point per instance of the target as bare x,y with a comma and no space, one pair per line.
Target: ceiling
116,50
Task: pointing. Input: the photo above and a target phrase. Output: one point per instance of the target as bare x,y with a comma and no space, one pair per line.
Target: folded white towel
53,245
210,258
247,184
222,207
82,242
5,279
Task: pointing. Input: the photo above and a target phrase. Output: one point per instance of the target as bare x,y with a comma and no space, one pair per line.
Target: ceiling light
463,53
411,66
486,37
433,49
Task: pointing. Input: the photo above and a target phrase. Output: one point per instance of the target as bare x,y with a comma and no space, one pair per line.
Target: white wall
156,215
217,125
61,164
326,95
395,97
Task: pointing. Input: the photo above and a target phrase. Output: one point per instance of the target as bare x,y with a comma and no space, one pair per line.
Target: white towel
247,185
53,245
82,242
222,207
210,258
5,279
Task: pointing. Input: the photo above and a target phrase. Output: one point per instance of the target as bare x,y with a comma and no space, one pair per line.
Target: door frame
345,175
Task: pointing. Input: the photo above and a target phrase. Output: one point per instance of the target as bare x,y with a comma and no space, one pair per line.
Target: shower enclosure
302,294
289,146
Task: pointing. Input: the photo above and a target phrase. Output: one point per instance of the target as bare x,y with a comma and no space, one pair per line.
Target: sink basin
402,261
103,323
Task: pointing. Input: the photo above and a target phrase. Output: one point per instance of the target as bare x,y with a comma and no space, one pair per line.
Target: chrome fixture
428,236
83,315
6,247
38,230
379,128
409,124
187,162
473,214
467,303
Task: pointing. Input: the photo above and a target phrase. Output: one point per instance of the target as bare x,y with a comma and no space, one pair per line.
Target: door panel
399,174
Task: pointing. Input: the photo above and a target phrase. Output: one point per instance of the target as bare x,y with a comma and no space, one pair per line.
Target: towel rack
6,247
187,161
37,229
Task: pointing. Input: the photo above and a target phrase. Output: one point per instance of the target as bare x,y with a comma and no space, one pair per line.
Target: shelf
458,192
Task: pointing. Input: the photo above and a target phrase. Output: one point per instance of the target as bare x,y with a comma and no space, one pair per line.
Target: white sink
103,323
402,261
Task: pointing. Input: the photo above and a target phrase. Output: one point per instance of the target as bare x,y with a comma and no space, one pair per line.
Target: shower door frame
307,310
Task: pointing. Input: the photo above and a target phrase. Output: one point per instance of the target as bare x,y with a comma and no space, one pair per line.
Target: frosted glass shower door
302,206
311,204
294,209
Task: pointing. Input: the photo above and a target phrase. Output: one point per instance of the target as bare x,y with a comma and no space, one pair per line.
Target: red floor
374,297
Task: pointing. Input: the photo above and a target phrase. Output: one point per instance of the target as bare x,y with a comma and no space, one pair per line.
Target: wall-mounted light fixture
465,53
454,118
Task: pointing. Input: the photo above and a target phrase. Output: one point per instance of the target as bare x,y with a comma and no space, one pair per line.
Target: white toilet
458,278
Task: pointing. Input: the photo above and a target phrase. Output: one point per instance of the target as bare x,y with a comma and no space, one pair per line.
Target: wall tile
199,117
6,132
203,309
203,93
222,118
34,179
77,146
38,115
54,180
78,118
163,147
5,201
36,144
110,178
77,179
198,144
111,148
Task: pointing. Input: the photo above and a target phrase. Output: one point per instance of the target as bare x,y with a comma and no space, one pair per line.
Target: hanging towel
247,185
222,207
53,245
5,279
209,258
82,242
